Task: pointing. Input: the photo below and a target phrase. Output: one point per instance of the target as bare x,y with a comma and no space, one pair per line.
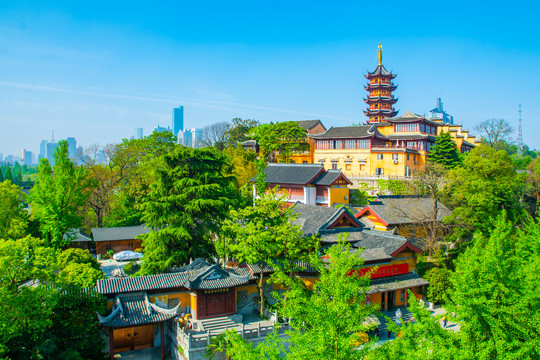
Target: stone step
221,323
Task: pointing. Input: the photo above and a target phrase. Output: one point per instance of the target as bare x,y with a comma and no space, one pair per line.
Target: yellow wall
339,195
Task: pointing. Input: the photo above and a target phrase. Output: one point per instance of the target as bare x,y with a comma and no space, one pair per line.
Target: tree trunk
261,288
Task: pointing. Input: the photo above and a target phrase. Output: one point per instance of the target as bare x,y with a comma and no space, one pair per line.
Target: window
408,157
334,166
406,127
362,144
304,162
402,295
395,157
379,171
379,156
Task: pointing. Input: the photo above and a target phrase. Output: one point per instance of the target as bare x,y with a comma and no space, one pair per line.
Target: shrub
110,253
138,250
439,284
131,267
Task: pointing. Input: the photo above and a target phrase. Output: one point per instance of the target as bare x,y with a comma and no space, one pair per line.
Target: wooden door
216,304
133,338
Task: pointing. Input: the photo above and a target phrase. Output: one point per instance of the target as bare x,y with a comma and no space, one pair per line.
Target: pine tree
7,174
445,152
189,198
1,176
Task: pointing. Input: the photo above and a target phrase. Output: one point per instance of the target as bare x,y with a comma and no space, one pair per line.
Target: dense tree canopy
279,141
59,196
445,152
190,196
486,184
13,218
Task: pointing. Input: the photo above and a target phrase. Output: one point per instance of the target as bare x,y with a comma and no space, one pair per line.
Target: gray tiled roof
373,241
214,277
397,282
76,235
380,70
314,219
407,209
118,233
135,309
356,132
141,283
199,275
309,124
327,178
293,174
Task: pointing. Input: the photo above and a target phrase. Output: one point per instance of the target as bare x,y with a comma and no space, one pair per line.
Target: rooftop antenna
520,135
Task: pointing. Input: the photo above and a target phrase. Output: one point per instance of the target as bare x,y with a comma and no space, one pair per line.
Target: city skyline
98,72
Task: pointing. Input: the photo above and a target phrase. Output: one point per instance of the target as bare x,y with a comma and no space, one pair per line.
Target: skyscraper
43,149
72,147
177,120
138,133
197,136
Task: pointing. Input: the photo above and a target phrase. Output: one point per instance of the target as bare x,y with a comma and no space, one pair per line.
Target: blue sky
97,70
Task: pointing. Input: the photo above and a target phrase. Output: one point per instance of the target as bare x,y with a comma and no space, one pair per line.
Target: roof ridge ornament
380,53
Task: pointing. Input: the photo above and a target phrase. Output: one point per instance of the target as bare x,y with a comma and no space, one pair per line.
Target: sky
97,70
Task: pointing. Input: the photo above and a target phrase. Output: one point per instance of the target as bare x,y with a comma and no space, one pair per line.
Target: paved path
153,353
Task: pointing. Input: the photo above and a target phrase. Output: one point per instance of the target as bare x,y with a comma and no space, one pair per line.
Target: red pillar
386,301
111,343
162,341
406,294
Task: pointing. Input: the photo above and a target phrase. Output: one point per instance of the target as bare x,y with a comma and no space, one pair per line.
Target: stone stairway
218,325
383,331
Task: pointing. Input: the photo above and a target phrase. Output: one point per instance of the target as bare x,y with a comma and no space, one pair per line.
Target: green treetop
13,218
59,196
190,196
444,152
278,142
486,184
263,233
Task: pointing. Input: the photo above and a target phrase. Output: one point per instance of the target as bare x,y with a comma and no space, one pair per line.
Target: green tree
239,130
495,292
7,173
423,339
486,184
263,233
190,196
129,176
445,152
59,196
439,284
13,218
325,320
243,164
83,275
278,142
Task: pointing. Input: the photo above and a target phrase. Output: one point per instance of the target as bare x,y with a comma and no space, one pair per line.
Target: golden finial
380,54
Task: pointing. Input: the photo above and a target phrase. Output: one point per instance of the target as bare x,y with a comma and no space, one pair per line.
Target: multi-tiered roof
380,88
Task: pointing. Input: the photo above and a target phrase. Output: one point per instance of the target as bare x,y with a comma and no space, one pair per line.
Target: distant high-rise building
161,129
72,147
1,156
138,133
101,158
185,137
177,120
26,157
51,147
42,149
197,136
439,114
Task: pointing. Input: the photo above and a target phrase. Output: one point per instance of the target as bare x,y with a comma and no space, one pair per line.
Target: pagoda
380,98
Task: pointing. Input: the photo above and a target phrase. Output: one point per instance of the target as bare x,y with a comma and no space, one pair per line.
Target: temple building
380,88
308,183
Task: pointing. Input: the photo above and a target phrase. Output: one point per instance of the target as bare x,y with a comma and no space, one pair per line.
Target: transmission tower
520,135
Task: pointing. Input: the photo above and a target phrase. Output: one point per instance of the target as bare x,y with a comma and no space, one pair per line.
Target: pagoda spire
380,88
